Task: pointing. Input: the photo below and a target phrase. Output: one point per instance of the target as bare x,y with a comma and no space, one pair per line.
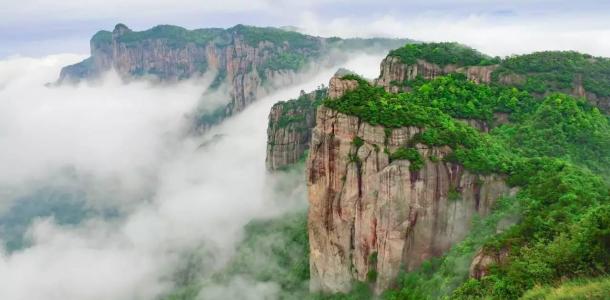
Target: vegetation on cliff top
175,36
557,70
294,111
442,54
102,37
538,72
556,150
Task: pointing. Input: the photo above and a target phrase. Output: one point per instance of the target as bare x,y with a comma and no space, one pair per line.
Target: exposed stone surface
484,259
249,60
337,87
236,61
289,130
371,205
394,72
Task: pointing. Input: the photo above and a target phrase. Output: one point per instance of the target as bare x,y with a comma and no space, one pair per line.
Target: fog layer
125,149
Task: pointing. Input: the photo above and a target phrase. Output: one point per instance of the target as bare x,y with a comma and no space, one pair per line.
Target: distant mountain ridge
246,58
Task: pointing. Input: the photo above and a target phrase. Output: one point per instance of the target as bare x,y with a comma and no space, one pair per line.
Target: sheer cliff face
242,64
369,215
394,72
291,123
245,58
289,130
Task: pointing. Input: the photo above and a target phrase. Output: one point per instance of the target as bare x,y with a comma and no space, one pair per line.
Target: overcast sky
41,27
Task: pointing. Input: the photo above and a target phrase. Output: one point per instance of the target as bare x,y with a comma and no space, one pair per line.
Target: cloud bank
126,144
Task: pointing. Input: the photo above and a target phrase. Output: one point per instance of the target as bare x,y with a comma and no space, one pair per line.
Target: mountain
410,64
540,73
455,174
250,60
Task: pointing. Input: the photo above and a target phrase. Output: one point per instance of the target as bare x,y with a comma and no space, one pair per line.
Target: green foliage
453,194
176,37
294,40
285,61
299,113
282,240
430,102
371,276
553,150
101,37
410,154
563,127
442,54
596,289
357,142
273,250
213,117
558,71
355,77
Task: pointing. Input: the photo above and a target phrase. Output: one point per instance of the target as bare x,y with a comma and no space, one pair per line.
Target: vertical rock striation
249,60
289,129
394,72
371,215
291,122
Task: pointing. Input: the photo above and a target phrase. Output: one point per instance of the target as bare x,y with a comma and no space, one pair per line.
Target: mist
126,149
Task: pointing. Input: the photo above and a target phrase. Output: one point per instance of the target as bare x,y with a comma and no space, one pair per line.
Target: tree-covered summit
442,54
558,70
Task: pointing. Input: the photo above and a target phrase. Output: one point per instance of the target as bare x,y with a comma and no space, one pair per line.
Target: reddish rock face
374,207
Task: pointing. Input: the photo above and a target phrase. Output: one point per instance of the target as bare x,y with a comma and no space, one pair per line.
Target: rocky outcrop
369,215
394,72
238,63
484,259
249,60
337,86
289,130
291,122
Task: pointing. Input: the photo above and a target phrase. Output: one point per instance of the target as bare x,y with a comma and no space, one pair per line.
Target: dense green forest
538,73
442,54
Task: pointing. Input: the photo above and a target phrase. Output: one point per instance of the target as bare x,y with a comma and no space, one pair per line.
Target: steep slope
291,122
376,206
289,129
540,73
248,59
397,179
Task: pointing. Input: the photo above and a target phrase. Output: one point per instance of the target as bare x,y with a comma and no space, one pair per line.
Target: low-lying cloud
128,147
499,33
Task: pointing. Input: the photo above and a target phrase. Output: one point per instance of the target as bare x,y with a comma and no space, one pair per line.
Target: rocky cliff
289,129
395,73
371,215
291,122
247,59
541,73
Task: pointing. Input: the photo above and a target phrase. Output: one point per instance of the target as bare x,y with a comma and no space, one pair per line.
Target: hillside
455,182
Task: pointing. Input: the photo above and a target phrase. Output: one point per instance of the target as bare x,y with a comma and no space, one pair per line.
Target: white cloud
486,32
131,137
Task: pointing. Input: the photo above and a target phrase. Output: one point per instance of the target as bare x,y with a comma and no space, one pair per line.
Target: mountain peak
120,29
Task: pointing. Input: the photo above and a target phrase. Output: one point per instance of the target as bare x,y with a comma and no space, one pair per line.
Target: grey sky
41,27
